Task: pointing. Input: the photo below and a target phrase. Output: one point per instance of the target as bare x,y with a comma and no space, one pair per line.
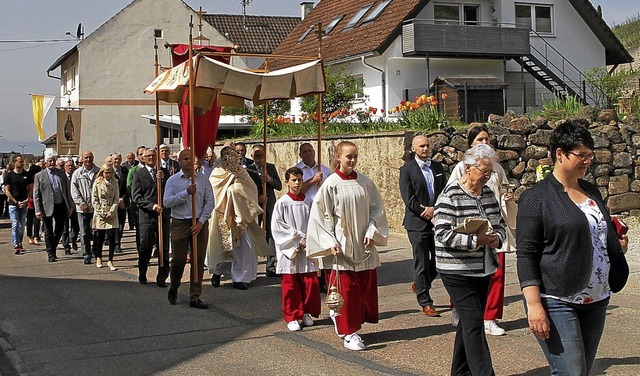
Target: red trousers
495,298
300,294
360,293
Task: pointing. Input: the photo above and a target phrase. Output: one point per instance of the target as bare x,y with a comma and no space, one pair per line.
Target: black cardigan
554,249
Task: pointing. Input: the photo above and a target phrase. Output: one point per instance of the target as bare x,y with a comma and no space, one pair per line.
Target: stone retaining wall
521,145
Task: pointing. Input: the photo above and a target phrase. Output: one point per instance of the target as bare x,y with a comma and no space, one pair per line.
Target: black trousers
122,214
87,234
148,238
70,233
100,236
470,349
424,264
54,227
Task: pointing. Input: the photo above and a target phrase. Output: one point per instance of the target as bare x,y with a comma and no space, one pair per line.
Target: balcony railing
426,37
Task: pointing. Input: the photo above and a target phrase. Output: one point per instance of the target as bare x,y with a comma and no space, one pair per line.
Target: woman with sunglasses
567,250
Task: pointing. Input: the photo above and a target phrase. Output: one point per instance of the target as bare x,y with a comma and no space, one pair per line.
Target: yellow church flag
40,105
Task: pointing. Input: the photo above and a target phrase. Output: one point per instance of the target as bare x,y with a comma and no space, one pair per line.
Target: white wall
116,63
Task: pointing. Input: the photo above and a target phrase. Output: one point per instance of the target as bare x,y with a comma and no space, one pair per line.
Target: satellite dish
79,31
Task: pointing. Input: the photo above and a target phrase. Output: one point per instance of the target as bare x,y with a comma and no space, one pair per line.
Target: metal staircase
555,72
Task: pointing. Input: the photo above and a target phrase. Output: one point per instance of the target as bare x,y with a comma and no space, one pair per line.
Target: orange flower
444,96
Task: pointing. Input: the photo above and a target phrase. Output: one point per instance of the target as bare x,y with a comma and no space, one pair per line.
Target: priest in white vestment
235,239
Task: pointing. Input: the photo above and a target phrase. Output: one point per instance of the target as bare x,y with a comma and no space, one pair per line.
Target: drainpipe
384,86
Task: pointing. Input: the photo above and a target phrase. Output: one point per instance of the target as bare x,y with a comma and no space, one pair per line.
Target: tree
342,89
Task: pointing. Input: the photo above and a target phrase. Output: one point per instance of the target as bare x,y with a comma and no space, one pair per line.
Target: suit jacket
413,189
43,192
274,185
173,166
144,194
122,183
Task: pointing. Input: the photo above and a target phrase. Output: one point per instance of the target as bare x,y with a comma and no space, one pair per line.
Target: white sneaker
455,319
111,266
99,262
307,320
333,315
492,328
354,342
294,326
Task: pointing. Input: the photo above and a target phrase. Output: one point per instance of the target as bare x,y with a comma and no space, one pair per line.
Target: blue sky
26,64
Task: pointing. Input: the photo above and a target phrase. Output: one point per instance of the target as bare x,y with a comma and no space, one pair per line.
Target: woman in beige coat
104,198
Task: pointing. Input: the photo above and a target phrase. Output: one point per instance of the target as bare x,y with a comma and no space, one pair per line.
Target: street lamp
22,147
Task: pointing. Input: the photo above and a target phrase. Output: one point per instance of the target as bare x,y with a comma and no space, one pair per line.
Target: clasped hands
368,242
490,239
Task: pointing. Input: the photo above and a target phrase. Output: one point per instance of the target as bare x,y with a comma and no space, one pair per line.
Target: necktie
153,174
429,180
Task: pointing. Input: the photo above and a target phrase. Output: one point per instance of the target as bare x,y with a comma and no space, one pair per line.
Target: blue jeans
18,218
576,330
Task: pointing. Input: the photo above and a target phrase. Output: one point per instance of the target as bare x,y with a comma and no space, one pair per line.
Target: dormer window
375,13
358,16
332,25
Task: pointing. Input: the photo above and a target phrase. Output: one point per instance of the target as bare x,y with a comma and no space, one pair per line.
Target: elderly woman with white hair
466,258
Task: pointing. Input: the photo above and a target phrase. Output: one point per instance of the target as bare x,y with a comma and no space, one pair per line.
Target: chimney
305,8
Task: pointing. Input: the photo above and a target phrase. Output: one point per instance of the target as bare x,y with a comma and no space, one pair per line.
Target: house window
359,86
537,17
358,16
377,11
332,25
304,35
455,14
65,81
73,77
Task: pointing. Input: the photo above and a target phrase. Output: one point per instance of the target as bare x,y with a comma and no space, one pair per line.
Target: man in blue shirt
178,195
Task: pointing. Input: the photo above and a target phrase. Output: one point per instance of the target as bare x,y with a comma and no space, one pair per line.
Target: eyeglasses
484,172
583,157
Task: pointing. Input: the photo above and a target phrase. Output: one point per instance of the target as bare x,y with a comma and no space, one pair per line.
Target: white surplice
288,228
343,214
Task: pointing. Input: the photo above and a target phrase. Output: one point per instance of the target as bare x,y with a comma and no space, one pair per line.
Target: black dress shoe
87,261
52,258
67,252
215,280
117,249
172,295
142,279
240,285
271,273
198,304
161,284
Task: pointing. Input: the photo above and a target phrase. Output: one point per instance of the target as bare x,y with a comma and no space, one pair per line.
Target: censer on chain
334,300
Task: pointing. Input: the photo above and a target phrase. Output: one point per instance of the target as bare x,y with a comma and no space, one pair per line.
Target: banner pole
194,237
161,249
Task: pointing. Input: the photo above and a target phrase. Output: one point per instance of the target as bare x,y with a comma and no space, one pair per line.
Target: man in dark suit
421,181
273,183
121,173
166,162
144,194
52,201
71,226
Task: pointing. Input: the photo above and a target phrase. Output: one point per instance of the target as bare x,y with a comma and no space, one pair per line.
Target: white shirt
177,198
308,172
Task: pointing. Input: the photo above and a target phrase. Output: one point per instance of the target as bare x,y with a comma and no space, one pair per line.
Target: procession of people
324,232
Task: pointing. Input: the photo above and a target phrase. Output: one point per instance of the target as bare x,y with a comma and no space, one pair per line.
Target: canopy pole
194,237
158,164
319,158
265,115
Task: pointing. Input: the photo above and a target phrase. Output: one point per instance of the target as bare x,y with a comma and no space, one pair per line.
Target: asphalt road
66,318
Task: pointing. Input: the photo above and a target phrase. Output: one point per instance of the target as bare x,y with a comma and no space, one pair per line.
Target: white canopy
233,85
